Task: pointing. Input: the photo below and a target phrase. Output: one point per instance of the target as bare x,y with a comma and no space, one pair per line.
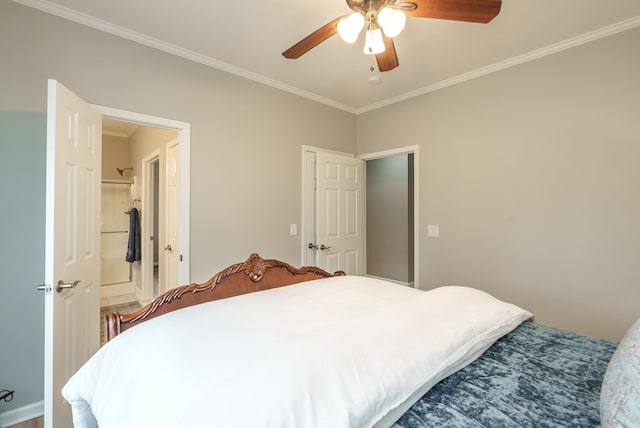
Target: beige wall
240,130
115,154
245,146
533,175
144,141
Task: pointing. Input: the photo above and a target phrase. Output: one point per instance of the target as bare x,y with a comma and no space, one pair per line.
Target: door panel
172,253
340,191
332,213
72,240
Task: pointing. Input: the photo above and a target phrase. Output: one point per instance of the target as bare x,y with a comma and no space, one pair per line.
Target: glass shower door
116,202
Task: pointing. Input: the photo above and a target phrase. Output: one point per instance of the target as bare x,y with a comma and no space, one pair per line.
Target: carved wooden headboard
254,274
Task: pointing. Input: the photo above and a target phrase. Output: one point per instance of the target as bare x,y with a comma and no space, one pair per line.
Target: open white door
340,212
72,244
172,249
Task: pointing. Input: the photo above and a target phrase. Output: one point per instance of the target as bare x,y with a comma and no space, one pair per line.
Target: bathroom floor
117,300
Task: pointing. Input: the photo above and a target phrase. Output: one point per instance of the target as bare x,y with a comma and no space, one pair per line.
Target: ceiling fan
384,19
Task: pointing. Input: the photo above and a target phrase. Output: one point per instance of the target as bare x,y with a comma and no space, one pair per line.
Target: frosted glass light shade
350,27
392,21
373,43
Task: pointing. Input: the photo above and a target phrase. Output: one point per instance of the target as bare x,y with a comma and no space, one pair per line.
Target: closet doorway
392,229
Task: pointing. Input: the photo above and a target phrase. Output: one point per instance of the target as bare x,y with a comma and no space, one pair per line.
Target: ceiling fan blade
387,60
481,11
313,39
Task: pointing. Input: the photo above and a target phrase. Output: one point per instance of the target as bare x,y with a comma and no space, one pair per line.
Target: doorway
142,148
310,208
392,201
144,167
150,285
389,212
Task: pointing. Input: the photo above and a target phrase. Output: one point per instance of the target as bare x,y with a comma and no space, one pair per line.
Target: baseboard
143,302
22,414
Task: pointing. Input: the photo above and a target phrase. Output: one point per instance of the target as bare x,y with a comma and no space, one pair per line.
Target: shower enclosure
116,203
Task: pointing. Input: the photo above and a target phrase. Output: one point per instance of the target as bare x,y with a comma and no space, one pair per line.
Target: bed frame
255,274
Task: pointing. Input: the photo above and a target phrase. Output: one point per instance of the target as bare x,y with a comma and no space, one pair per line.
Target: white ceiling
247,38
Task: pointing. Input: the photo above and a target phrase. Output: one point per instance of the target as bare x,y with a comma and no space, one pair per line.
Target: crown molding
116,30
603,32
115,134
90,21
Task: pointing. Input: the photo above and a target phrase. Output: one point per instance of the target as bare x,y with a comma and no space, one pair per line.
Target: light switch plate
293,229
433,231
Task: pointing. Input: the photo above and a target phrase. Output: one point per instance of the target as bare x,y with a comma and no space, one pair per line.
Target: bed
264,344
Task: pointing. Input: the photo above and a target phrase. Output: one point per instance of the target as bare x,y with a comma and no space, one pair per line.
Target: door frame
184,140
416,200
144,293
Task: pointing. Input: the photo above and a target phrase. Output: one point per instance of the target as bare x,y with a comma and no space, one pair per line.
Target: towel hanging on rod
133,205
133,246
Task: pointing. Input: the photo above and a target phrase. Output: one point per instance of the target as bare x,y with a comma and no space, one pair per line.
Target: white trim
125,33
115,134
306,175
416,199
306,148
390,152
143,39
146,264
22,414
600,33
184,137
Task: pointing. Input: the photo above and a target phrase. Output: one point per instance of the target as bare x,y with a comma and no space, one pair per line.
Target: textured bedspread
307,355
535,376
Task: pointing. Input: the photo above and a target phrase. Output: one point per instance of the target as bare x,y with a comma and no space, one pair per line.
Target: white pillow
620,392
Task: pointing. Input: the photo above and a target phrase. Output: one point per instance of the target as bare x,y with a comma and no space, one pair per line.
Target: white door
340,212
72,244
172,249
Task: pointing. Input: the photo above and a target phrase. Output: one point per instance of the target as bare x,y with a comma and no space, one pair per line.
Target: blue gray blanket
535,376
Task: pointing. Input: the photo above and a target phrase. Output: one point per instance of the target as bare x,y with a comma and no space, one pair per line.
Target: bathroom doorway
135,154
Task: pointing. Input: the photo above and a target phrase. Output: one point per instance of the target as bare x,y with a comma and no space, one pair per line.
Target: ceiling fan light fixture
392,21
349,28
373,43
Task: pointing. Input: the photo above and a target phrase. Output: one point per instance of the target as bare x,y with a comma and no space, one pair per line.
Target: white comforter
337,352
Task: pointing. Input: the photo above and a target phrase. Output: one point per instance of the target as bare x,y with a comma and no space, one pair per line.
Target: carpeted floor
122,308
